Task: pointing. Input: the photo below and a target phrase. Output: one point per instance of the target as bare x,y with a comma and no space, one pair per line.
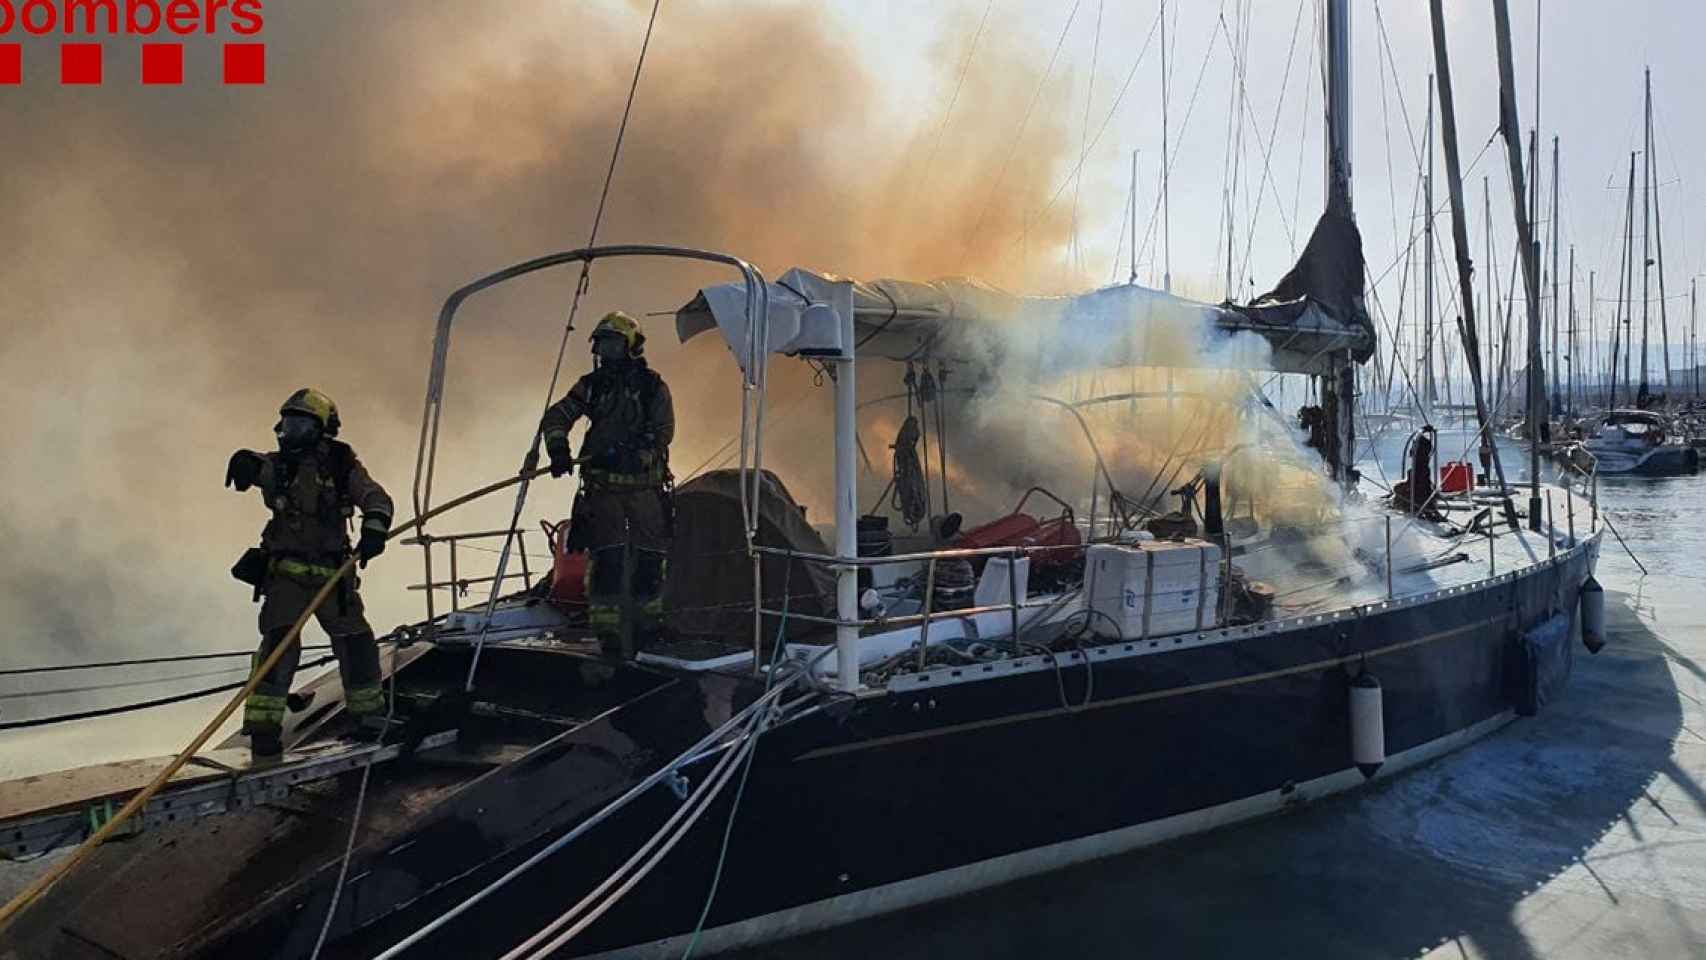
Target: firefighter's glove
561,463
244,469
371,544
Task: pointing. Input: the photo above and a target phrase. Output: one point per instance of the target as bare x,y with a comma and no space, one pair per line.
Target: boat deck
1345,568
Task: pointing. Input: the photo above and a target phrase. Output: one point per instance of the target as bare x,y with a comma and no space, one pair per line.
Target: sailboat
843,728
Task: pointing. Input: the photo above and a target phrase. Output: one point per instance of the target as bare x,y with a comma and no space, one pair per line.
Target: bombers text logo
80,25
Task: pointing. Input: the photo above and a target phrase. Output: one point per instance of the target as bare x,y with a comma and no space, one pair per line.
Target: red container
1019,529
1456,476
568,570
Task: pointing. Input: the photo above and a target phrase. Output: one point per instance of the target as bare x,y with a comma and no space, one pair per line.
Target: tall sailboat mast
1570,391
1166,165
1627,293
1658,242
1556,403
1492,285
1530,256
1646,237
1460,242
1430,391
1339,385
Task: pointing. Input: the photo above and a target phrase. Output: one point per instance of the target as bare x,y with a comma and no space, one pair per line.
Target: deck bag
1543,660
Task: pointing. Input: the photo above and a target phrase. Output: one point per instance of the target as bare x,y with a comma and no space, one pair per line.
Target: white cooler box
1152,588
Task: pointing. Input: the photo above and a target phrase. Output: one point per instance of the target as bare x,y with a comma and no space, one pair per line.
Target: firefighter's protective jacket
632,424
312,494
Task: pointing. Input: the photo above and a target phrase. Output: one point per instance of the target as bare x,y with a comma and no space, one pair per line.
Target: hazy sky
1591,61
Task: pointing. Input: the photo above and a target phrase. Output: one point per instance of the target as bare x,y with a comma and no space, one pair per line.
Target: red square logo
11,63
163,63
245,63
79,63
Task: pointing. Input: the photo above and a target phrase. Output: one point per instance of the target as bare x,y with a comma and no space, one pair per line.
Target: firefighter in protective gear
313,484
622,515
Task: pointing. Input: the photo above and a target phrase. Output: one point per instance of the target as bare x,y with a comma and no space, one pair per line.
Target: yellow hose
31,893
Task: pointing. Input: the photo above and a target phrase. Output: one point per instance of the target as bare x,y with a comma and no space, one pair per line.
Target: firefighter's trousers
342,617
627,536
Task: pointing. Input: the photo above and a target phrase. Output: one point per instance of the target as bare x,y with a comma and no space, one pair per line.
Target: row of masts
1573,355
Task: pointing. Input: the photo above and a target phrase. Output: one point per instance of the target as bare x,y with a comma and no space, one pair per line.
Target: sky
1590,98
181,259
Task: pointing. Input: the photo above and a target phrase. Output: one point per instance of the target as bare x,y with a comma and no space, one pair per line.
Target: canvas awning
1314,316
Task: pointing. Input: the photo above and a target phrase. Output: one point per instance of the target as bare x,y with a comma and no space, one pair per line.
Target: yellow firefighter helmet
617,323
311,402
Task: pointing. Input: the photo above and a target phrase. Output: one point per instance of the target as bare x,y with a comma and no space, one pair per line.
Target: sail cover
1306,325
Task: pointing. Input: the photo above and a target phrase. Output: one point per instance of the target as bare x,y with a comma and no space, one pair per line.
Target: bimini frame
752,392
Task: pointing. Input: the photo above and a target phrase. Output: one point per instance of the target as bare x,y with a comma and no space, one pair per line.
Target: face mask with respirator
296,432
609,348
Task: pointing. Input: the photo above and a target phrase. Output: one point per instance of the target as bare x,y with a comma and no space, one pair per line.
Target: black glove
371,544
244,469
561,463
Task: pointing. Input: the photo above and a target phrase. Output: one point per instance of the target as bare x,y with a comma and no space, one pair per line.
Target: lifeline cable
131,707
183,658
581,286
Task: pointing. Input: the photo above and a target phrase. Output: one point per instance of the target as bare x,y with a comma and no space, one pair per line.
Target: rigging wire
181,658
531,460
1112,110
1084,135
1018,135
1190,109
1268,151
948,114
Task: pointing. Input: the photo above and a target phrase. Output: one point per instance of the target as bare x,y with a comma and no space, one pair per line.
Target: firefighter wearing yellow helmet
313,484
622,515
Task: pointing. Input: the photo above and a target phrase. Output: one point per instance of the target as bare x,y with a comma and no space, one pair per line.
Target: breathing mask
296,432
608,348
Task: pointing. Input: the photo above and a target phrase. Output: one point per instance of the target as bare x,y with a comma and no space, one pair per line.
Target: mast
1430,393
1570,391
1492,281
1556,403
1133,278
1693,338
1460,241
1658,241
1646,231
1166,164
1530,256
1627,294
1593,334
1339,384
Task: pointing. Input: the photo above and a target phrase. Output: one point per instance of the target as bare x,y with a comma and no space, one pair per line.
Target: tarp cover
709,590
1315,312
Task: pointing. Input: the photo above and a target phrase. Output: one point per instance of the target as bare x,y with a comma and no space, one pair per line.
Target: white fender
1368,724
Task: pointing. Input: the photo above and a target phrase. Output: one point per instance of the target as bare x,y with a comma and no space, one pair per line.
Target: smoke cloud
185,257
